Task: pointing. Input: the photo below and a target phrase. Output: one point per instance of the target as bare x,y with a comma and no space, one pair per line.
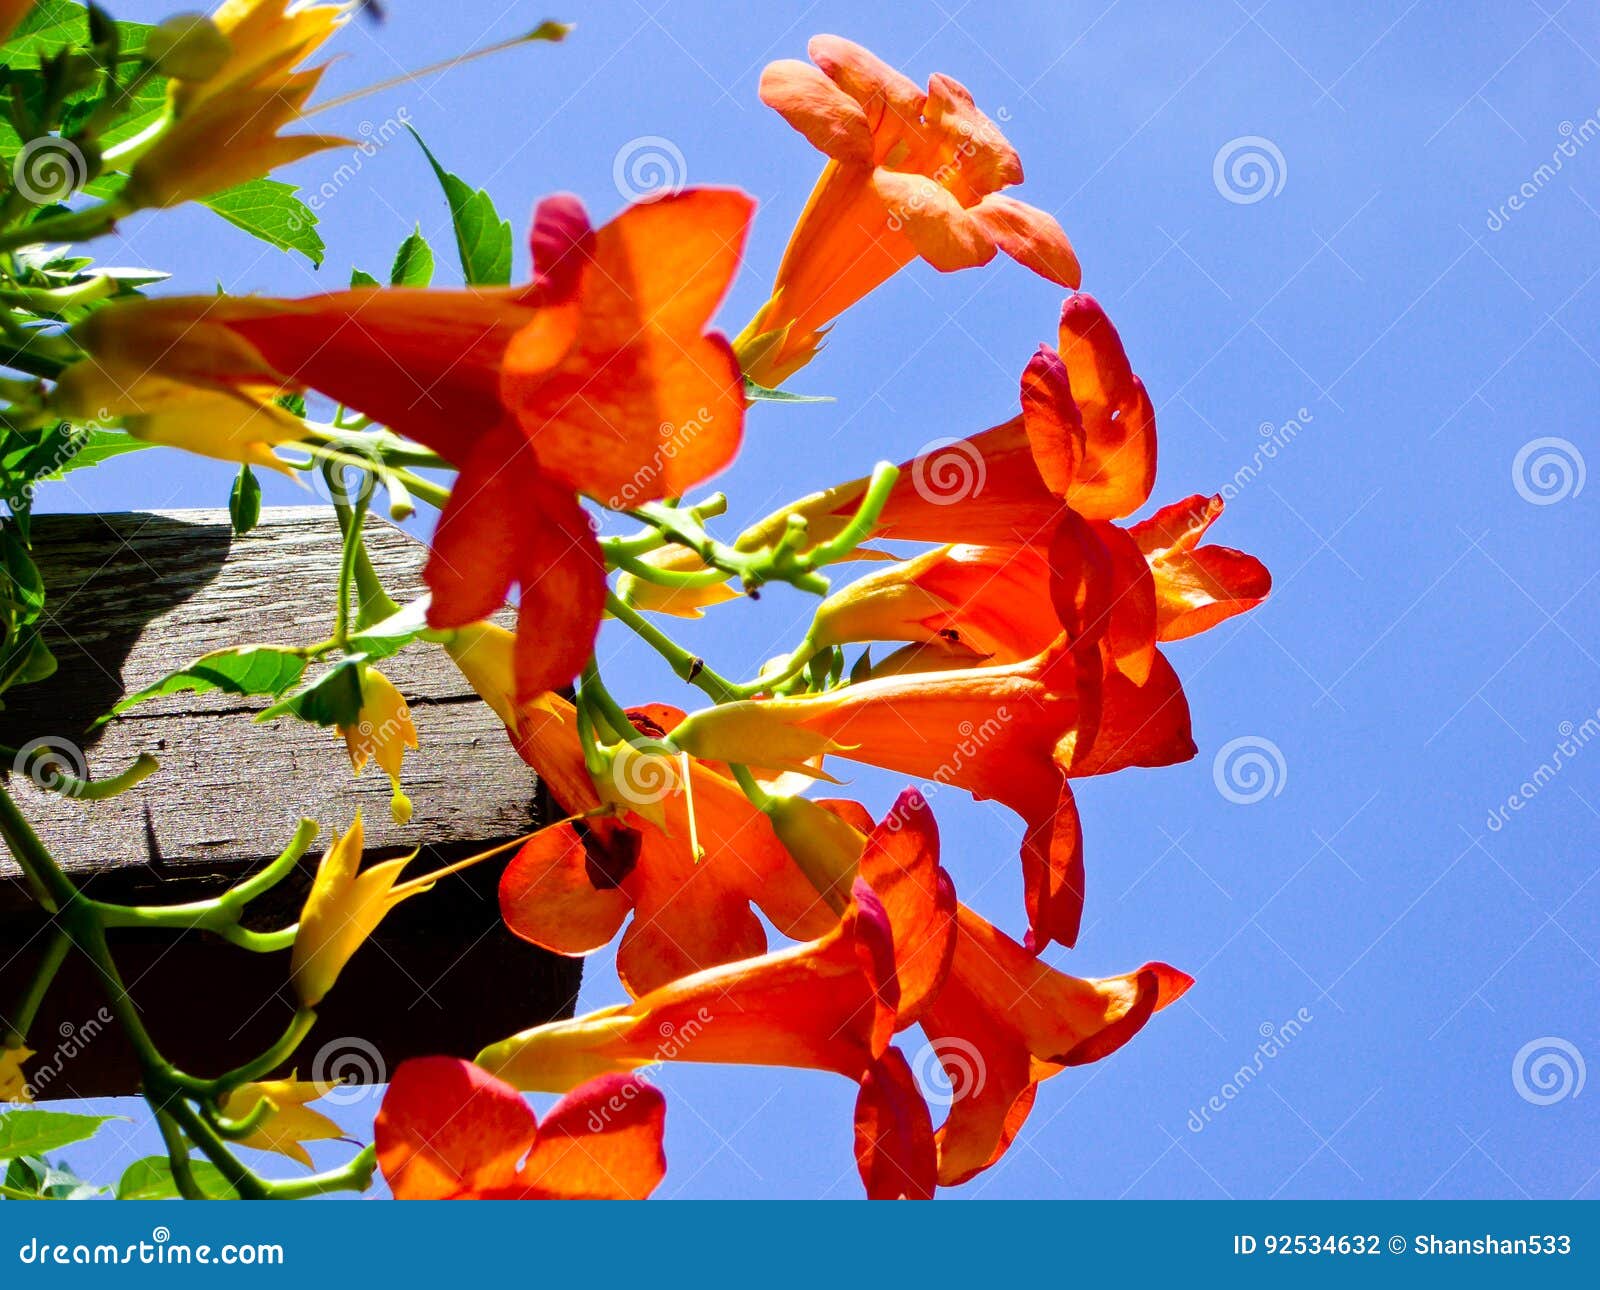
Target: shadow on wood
132,597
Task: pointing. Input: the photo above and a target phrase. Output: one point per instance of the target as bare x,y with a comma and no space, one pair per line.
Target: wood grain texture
133,597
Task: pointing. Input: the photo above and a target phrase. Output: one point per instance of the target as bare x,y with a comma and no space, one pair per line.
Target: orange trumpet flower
831,1004
572,886
448,1130
598,379
909,173
1004,1022
1010,733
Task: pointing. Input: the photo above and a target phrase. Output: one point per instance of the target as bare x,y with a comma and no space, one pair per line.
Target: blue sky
1435,629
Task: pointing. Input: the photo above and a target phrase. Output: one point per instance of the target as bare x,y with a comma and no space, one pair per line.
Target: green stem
75,226
688,667
54,954
87,790
298,1028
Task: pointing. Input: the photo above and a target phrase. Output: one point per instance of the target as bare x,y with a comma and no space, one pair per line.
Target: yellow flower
345,906
13,1087
382,733
290,1123
224,128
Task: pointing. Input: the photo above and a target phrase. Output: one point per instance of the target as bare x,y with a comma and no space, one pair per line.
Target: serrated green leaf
268,209
36,1133
151,1179
333,699
413,262
483,239
97,445
761,394
247,670
244,501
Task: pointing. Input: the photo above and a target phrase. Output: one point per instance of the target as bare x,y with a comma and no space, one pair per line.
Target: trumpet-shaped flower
344,908
829,1004
1010,733
449,1130
597,379
572,886
226,125
909,174
290,1123
1004,1022
382,733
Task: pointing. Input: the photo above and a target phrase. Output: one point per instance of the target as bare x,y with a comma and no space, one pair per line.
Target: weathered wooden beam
133,597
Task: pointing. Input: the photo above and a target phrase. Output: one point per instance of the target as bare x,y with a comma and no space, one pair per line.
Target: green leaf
98,445
34,1133
413,262
361,278
244,502
247,670
393,633
761,394
483,239
269,210
333,699
54,25
151,1179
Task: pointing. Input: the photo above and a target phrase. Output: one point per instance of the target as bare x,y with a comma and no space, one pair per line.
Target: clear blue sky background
1431,630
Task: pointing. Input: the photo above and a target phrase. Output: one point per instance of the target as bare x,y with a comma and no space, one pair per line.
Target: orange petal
563,579
944,234
450,1131
1030,237
830,119
600,1142
901,863
895,1149
1118,420
1197,586
1050,418
866,78
562,889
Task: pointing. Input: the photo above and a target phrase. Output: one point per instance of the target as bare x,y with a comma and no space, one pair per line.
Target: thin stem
689,667
88,790
55,953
